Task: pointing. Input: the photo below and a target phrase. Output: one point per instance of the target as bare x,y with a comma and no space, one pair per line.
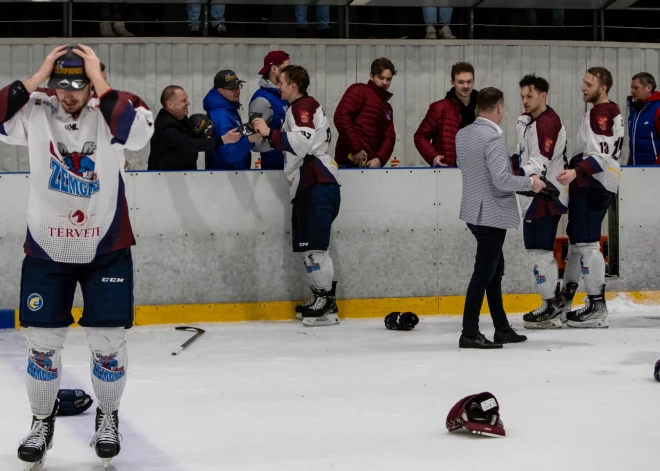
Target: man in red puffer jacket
365,121
435,138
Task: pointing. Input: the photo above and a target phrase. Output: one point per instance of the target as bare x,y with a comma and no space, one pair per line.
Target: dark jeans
487,277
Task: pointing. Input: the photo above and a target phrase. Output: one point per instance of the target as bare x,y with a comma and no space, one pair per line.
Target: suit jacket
489,185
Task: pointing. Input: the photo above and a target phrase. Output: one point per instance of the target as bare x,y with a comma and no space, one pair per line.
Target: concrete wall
207,237
146,65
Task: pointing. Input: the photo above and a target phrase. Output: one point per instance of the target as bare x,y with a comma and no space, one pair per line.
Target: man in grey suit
489,207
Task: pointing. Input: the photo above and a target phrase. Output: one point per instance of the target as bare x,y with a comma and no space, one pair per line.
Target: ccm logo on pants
112,280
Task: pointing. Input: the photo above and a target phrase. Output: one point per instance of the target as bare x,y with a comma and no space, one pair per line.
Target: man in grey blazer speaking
489,207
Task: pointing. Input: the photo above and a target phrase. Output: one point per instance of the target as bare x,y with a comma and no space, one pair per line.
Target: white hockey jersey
598,148
304,139
542,150
77,208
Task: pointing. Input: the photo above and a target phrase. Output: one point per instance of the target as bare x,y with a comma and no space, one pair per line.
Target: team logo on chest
73,172
602,122
548,144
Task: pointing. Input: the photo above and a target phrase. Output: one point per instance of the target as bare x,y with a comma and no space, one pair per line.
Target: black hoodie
468,112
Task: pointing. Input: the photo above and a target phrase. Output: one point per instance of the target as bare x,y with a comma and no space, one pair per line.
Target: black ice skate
33,448
107,438
592,315
324,310
548,316
566,296
300,308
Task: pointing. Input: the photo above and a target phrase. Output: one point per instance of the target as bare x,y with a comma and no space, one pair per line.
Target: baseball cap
226,79
273,58
68,72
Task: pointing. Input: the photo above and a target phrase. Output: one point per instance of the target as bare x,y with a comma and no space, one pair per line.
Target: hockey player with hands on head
78,231
593,176
313,187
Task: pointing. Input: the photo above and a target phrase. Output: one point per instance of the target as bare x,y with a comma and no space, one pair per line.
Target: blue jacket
224,115
643,131
268,96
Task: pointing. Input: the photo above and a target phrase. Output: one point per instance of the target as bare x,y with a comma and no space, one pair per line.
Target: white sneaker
445,33
430,32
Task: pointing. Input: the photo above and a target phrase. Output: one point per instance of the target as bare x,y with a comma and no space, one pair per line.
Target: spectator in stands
218,27
322,18
174,146
438,16
111,21
268,102
435,138
644,121
222,103
365,120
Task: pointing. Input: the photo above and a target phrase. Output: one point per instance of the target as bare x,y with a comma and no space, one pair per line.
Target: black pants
487,277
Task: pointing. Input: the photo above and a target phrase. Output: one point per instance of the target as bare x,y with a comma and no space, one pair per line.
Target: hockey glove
73,401
549,193
401,321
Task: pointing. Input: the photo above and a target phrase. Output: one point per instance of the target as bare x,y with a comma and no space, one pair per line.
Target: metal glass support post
595,25
602,25
471,22
67,19
205,19
347,22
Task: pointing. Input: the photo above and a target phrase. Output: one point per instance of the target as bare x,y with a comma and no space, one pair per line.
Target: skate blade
34,466
551,324
106,462
590,324
328,319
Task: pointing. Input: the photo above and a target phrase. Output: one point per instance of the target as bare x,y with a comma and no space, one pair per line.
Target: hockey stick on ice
198,334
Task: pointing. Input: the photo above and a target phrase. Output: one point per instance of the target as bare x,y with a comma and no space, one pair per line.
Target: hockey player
78,231
593,176
313,186
541,151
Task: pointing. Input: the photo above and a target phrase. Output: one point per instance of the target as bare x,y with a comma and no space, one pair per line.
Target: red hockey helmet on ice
479,413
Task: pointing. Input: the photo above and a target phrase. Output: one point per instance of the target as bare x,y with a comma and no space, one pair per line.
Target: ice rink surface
280,396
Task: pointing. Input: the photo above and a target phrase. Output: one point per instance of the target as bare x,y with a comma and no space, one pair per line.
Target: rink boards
216,245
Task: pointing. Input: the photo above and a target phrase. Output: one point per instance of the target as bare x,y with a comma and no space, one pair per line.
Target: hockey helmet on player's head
202,125
69,72
479,413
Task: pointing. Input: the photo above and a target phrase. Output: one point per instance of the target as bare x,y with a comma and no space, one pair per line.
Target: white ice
280,396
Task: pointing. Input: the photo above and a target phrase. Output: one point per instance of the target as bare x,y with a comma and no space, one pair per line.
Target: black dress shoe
478,341
508,336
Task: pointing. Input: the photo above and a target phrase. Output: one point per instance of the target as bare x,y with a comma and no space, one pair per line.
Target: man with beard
435,138
78,231
541,150
593,176
267,103
365,120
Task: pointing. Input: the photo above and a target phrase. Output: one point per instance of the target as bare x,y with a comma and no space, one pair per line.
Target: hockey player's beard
592,98
74,102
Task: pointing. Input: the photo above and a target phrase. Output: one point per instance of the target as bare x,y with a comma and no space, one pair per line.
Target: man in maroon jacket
364,120
435,138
